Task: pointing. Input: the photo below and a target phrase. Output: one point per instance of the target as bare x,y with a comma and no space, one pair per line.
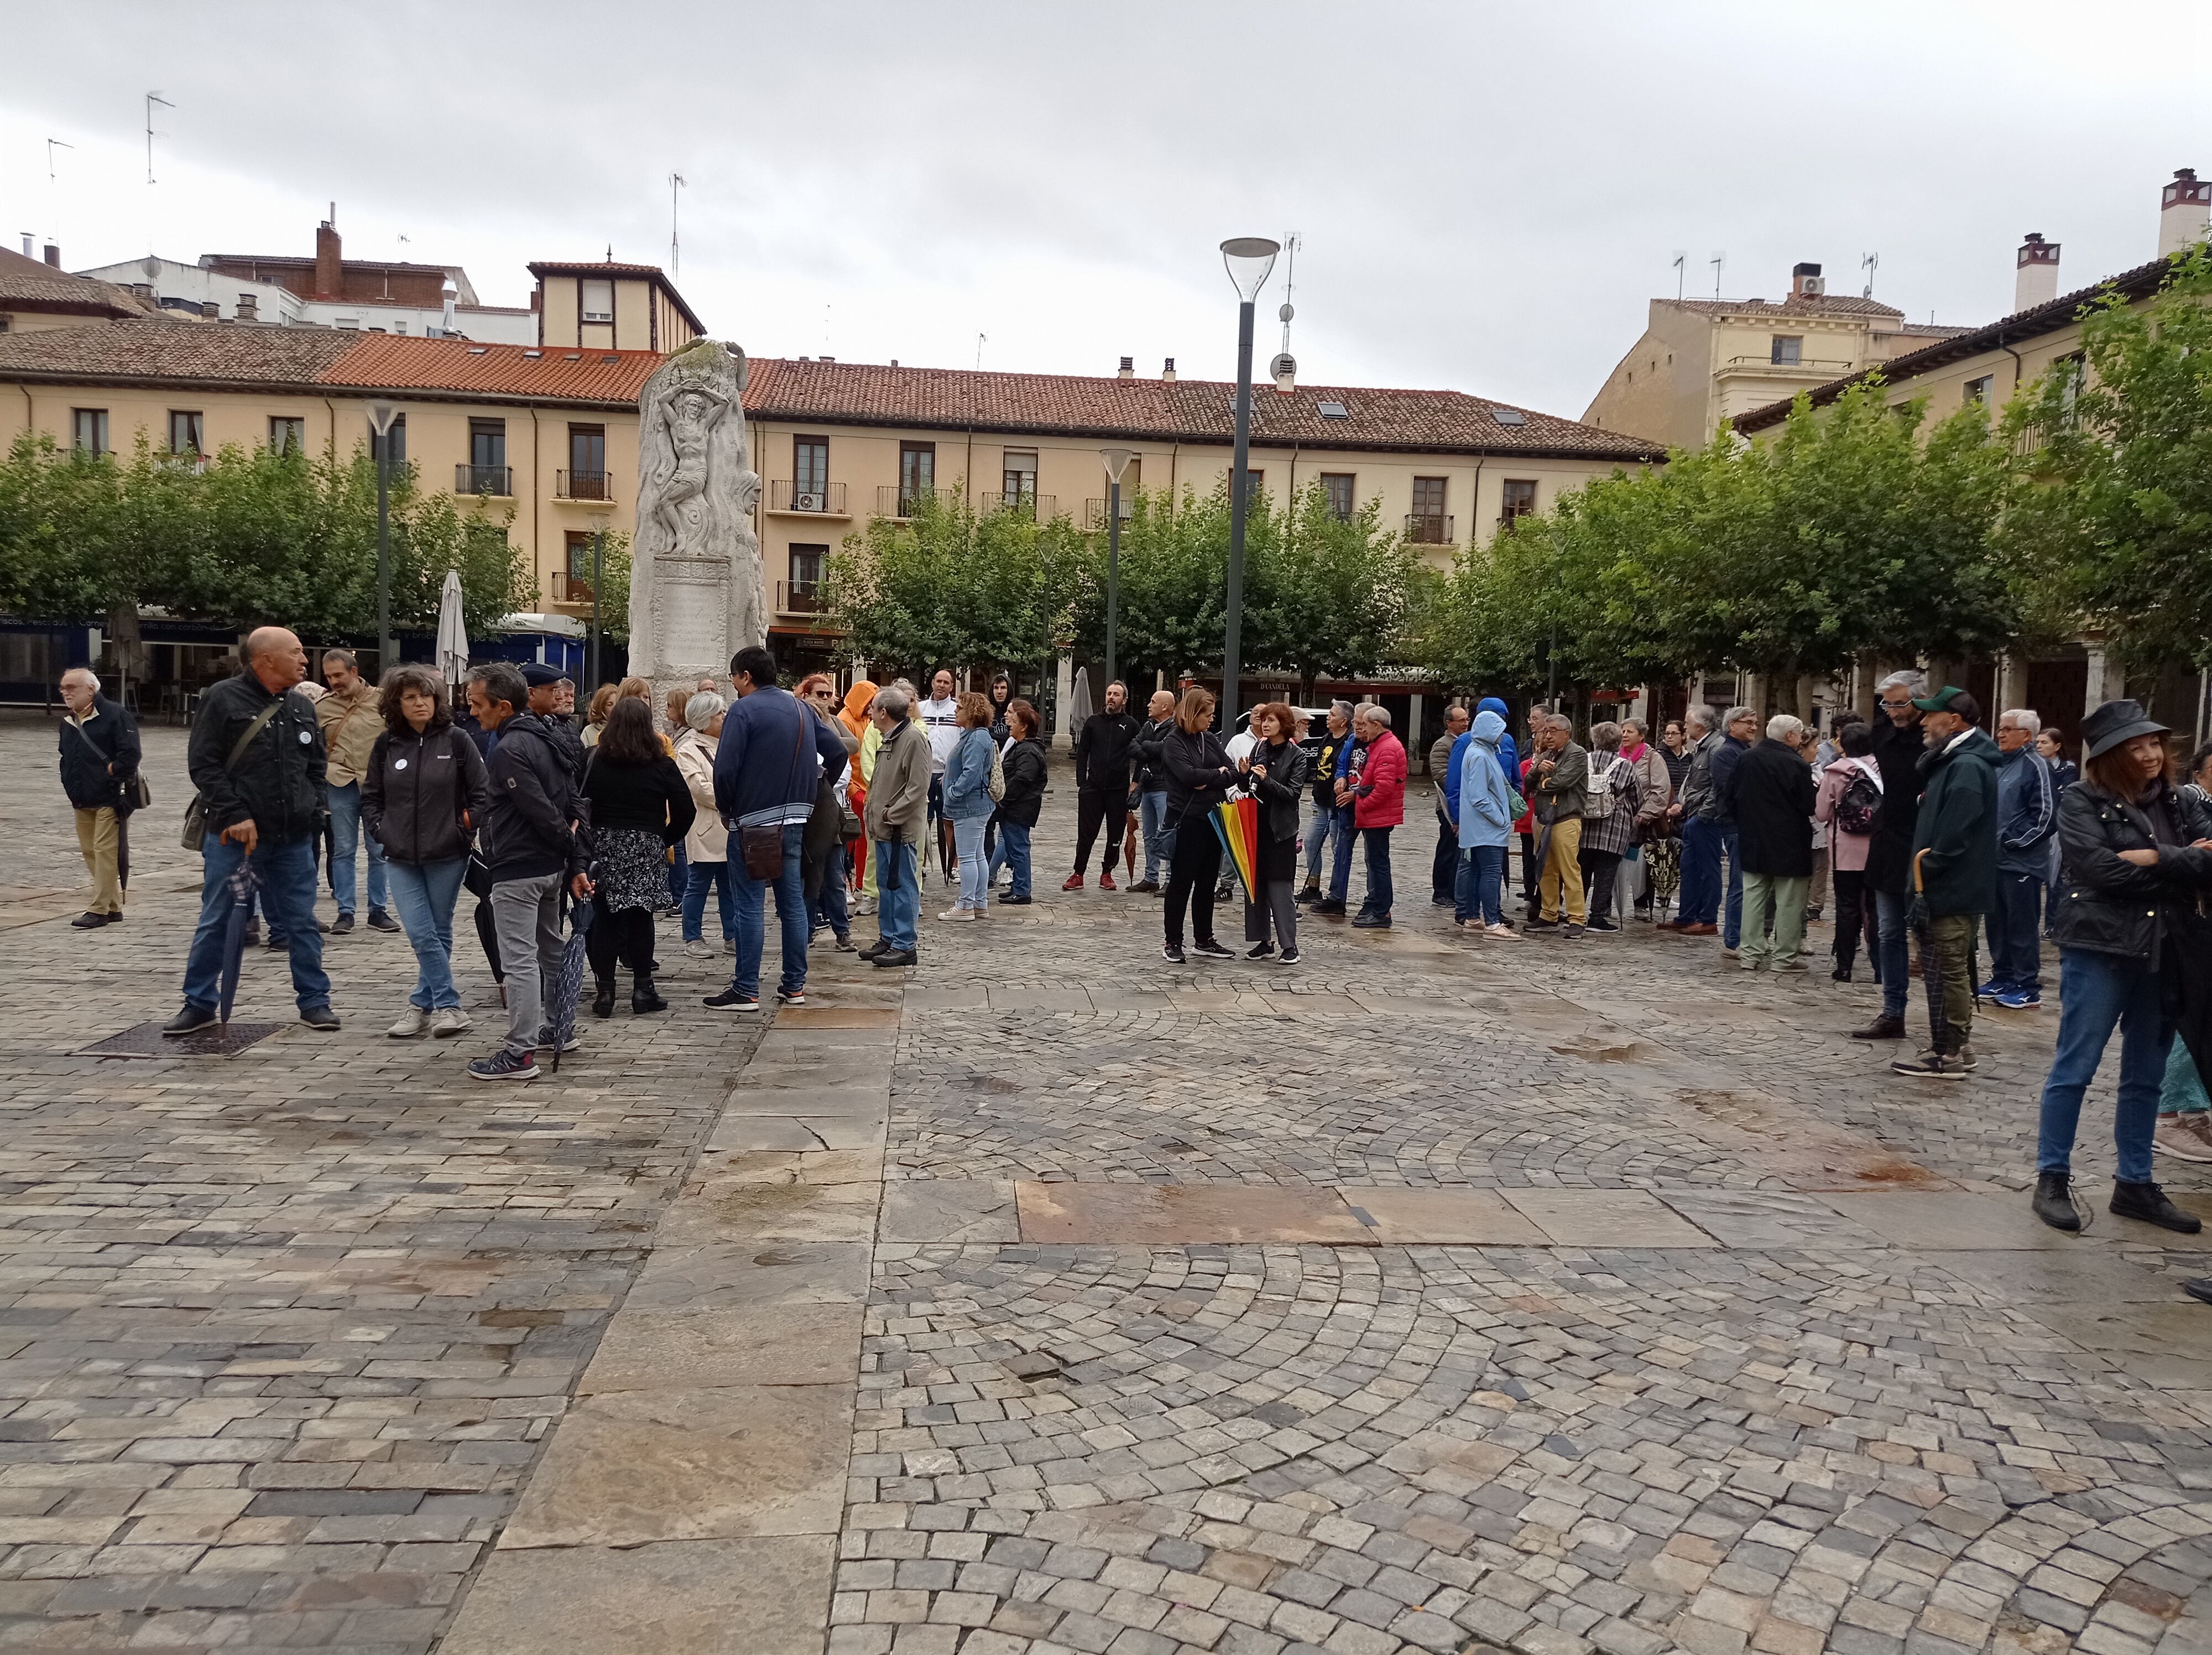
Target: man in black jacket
549,687
1896,749
1104,748
1769,793
257,756
528,842
100,763
1151,791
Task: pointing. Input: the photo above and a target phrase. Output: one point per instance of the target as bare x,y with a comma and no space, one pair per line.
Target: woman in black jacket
424,792
1023,764
1199,777
640,805
2129,918
1274,772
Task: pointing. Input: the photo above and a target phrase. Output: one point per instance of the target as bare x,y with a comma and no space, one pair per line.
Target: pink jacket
1847,852
1381,802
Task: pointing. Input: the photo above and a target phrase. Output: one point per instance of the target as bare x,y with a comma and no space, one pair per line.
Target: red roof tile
393,362
33,285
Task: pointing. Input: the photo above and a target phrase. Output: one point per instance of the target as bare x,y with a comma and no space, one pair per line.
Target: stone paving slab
804,1343
1139,1214
1949,1221
1410,1217
1607,1218
950,1209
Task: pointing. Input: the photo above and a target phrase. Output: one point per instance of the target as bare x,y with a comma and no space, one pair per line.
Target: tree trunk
128,644
1803,699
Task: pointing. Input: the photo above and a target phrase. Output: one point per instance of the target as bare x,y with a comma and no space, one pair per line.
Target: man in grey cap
552,698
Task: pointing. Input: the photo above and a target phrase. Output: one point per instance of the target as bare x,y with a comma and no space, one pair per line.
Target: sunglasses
822,695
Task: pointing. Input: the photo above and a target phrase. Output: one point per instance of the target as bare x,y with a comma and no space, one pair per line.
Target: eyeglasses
1896,706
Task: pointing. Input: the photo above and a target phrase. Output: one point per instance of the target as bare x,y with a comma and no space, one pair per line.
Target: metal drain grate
147,1040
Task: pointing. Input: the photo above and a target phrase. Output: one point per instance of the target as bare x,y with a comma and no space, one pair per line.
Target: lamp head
381,416
1117,461
1249,259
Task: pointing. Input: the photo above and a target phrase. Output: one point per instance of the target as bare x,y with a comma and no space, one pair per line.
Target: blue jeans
424,894
1890,908
1732,931
1153,823
2099,990
700,878
1478,884
898,899
1013,851
1697,899
790,911
829,906
679,874
968,840
345,842
286,870
2016,962
1340,873
1376,842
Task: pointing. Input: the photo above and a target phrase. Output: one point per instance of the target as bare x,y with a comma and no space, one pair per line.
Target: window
2071,371
595,301
1256,487
588,462
579,556
1520,500
88,430
1338,486
810,473
1787,350
187,431
1428,497
806,566
395,441
917,474
1019,475
1980,390
286,435
488,442
1332,411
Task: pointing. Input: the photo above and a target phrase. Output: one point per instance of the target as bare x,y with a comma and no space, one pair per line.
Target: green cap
1942,700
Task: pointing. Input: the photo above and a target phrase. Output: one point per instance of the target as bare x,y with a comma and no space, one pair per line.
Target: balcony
797,596
1811,368
571,591
894,499
1428,529
497,480
1039,506
817,500
583,485
1094,512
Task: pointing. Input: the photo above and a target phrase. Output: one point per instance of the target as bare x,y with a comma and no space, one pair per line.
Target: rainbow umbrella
1236,825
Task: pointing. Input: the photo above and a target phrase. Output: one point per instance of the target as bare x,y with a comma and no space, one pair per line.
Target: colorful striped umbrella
1236,825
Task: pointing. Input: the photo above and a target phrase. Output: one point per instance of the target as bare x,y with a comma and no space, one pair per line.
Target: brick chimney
2183,209
210,311
249,308
1168,372
330,267
2036,281
53,255
1128,369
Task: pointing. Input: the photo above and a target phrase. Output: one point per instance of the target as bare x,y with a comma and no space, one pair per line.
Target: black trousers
1530,867
1094,810
1191,874
1443,869
626,937
1855,919
1600,868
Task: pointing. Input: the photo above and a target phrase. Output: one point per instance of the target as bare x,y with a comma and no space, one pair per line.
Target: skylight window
476,349
1332,411
1508,416
533,354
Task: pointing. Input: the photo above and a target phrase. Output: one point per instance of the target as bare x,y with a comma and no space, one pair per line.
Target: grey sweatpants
525,915
1277,901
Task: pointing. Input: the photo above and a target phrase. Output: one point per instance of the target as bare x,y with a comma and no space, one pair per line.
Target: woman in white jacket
706,847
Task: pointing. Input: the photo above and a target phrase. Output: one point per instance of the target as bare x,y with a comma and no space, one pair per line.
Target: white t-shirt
941,721
1237,746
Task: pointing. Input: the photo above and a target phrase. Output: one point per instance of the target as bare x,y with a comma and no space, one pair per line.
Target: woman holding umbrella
1274,771
640,807
2129,921
1199,775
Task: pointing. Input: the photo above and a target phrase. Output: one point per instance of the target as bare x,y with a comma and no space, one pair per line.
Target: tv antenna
1290,277
675,183
53,144
1869,262
1718,261
980,338
1681,269
152,98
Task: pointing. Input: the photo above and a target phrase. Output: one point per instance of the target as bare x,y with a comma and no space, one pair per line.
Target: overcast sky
1488,194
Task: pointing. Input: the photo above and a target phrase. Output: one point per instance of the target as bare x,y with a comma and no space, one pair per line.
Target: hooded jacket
1104,747
1486,800
525,831
1957,826
2028,812
1379,800
854,717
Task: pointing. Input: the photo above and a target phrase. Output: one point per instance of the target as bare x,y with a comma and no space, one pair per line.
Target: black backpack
1858,809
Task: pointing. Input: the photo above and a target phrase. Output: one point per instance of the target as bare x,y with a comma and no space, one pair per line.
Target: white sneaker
866,908
700,948
413,1022
1501,932
451,1019
957,914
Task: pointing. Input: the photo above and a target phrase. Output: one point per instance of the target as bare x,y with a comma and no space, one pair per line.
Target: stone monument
695,580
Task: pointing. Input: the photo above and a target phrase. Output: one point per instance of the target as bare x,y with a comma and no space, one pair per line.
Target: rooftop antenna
153,98
980,338
1291,241
1717,261
675,183
1681,269
1868,262
53,144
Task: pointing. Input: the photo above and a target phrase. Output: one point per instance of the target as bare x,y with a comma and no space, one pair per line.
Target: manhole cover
147,1040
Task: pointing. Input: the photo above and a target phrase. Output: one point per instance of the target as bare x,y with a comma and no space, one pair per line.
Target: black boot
1884,1027
603,1003
2147,1201
644,997
2053,1205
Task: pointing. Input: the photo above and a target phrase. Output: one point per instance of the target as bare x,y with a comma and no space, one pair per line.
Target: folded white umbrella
453,635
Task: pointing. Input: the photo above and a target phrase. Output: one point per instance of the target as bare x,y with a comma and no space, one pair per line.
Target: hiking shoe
2020,999
191,1020
1930,1066
874,948
449,1021
2054,1203
2147,1202
844,943
413,1023
895,957
1884,1027
793,997
381,921
2172,1136
320,1017
505,1066
1106,882
730,1001
1072,882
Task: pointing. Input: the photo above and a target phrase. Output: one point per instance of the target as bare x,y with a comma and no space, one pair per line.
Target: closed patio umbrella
453,635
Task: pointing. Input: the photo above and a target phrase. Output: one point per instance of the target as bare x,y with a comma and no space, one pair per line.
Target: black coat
1199,773
525,831
1150,778
415,789
277,783
100,757
1770,795
1279,791
1103,749
1024,764
1889,852
2112,907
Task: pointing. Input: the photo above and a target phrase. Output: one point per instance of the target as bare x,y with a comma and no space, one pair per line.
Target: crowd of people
1923,830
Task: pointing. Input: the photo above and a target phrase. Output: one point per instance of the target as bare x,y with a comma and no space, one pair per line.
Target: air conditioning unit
1815,285
809,502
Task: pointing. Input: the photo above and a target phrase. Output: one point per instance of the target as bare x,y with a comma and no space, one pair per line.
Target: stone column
2095,693
2012,684
1063,691
1413,732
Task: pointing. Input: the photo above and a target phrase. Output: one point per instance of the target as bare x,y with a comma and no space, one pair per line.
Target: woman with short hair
1024,763
1199,776
640,805
707,846
1847,847
595,715
1274,772
968,803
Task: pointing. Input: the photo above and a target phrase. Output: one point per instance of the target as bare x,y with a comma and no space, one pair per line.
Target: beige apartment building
1703,360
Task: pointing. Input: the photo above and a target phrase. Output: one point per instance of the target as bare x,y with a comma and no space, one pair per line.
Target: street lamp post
598,579
1248,259
380,417
1117,461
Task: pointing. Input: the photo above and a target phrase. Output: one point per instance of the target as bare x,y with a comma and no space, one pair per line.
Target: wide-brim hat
2116,721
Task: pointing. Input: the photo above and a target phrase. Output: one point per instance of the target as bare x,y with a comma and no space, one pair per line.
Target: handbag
194,837
761,844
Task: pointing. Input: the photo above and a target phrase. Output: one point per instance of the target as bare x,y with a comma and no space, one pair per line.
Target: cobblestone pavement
1432,1295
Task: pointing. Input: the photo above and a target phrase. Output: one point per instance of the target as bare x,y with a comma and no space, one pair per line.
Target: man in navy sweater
769,764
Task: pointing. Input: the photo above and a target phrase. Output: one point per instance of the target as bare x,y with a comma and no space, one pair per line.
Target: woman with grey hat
2131,921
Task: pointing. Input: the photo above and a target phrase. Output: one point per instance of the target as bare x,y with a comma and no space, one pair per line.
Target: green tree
1327,596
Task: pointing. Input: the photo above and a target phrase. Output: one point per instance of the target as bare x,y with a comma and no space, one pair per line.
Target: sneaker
381,921
1501,932
1884,1027
413,1023
793,997
1306,893
1023,900
1570,929
730,1001
1539,923
1073,882
2147,1202
449,1021
1329,905
2199,1122
2054,1202
1697,930
505,1066
1733,954
844,943
89,921
867,909
1965,1058
2171,1136
1145,887
1172,953
191,1020
320,1017
278,944
1288,956
1602,926
1106,882
1930,1066
1212,950
2020,999
1259,951
895,957
547,1043
1990,990
343,926
700,948
957,914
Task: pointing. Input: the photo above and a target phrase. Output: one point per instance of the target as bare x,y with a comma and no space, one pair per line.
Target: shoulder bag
763,843
995,782
132,793
194,837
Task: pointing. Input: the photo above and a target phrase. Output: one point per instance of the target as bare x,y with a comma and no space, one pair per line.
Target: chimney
27,243
2036,280
210,311
450,293
249,308
330,267
53,255
1167,372
2183,208
1128,369
1805,282
1285,368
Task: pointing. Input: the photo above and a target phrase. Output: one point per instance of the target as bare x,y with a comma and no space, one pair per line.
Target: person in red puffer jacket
1379,804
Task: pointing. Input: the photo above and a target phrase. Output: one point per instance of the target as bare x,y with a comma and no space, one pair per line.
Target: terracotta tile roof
31,284
545,267
1821,304
394,361
1190,410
